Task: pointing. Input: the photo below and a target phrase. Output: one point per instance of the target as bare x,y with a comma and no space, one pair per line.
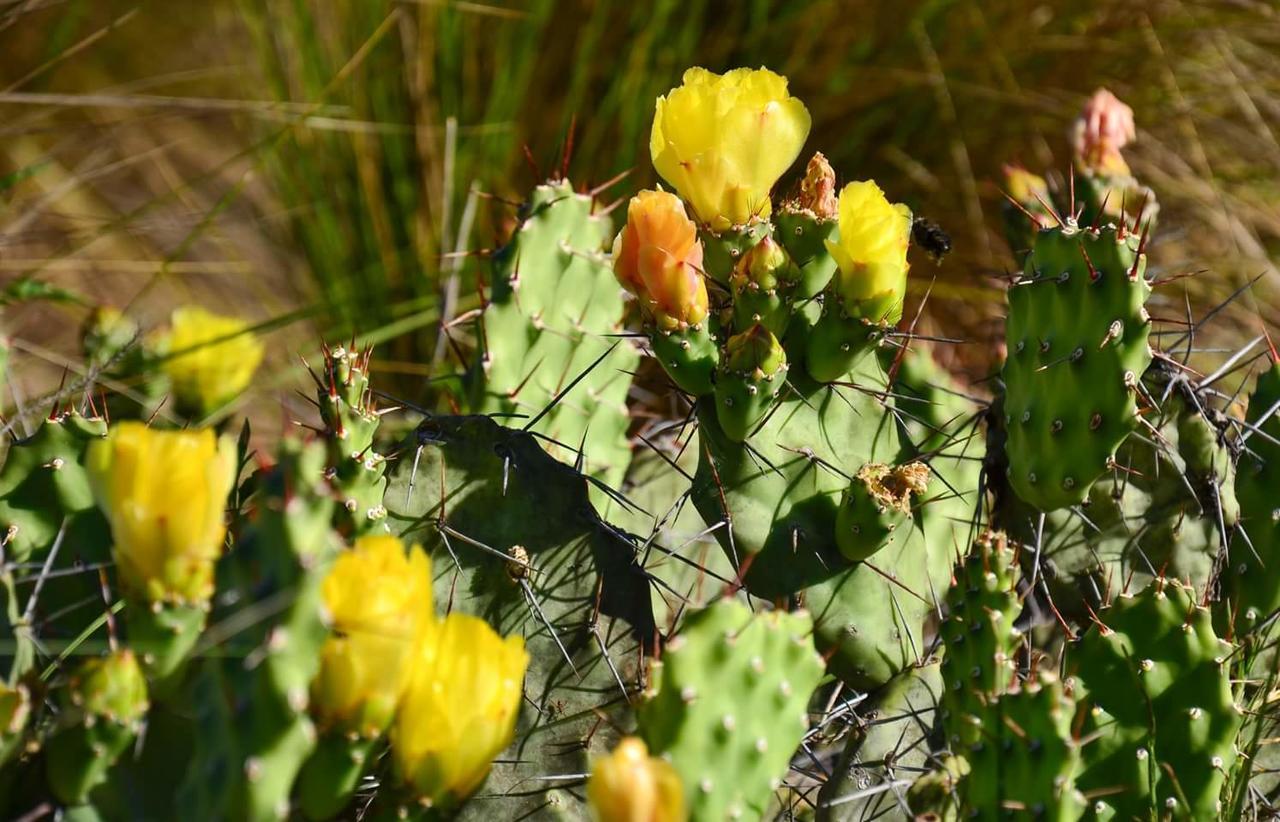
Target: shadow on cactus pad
515,540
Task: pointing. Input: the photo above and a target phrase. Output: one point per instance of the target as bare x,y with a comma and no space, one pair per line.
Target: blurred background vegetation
338,167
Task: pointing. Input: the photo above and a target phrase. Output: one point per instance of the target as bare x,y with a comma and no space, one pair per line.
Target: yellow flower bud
1025,187
628,785
164,493
723,141
871,252
459,711
378,601
657,257
211,359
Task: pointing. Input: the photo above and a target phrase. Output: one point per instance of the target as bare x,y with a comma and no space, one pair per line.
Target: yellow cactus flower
378,601
657,257
871,252
211,359
459,711
723,141
164,494
628,785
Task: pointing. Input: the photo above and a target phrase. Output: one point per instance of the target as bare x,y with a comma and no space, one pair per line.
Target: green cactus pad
331,774
555,309
350,423
1163,508
891,741
837,344
1167,722
44,490
44,481
1252,576
495,488
779,496
980,638
1031,757
731,705
1077,341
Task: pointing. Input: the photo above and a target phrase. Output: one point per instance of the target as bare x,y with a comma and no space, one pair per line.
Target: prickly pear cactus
106,700
251,720
888,744
779,495
350,423
515,540
1253,580
1016,734
875,505
51,528
43,482
730,705
1077,337
1164,718
980,638
1029,757
1164,508
552,313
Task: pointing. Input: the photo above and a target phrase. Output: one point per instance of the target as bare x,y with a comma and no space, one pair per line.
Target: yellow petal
164,494
378,600
211,359
460,708
628,785
724,140
871,252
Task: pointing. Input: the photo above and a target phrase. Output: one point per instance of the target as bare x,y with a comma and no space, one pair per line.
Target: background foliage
320,166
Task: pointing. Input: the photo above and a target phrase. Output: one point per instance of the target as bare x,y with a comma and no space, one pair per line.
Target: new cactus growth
753,369
876,505
1165,716
549,319
980,638
729,705
105,702
350,423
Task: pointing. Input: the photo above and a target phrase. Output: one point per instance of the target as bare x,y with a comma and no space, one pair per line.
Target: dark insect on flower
931,237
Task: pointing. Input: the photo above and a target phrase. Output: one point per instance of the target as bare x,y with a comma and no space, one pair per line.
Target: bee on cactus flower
724,140
211,359
164,494
377,598
460,708
628,785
